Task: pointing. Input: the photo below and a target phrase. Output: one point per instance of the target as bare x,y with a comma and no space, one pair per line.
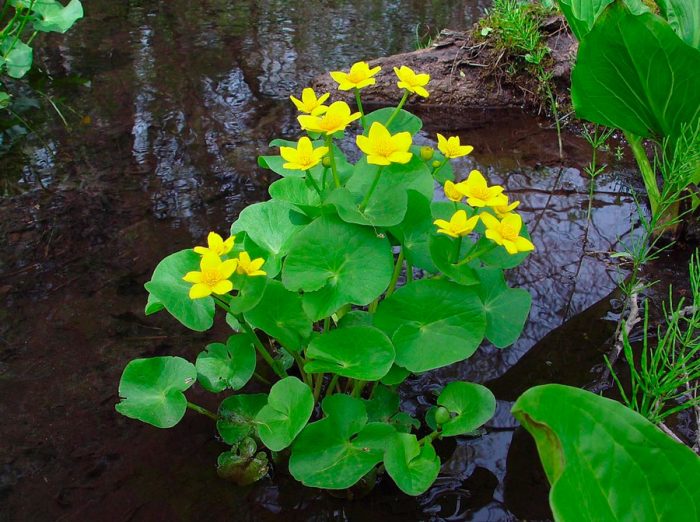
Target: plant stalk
359,107
331,156
406,94
363,205
203,411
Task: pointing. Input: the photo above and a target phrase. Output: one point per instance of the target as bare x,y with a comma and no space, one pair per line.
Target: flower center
331,122
384,148
481,193
304,158
211,277
355,77
508,232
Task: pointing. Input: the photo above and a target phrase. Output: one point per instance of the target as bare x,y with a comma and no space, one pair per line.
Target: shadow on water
182,97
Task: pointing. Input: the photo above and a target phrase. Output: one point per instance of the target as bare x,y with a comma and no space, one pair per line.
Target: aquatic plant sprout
310,282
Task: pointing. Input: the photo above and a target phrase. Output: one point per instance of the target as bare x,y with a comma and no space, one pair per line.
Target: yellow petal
298,103
193,277
523,244
363,144
215,242
228,267
222,287
490,221
494,236
513,221
402,140
400,157
255,264
209,261
510,246
441,223
199,290
201,250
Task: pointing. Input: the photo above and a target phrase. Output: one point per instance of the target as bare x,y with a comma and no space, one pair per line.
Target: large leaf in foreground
357,352
684,17
432,323
338,450
607,462
413,468
634,73
167,287
288,409
151,390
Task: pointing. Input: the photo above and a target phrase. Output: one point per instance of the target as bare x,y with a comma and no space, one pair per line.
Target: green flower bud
442,415
326,162
426,153
436,164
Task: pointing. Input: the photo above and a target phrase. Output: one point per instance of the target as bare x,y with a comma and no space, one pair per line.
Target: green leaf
357,352
347,263
383,404
415,230
151,390
237,416
413,468
581,15
4,98
506,308
166,285
380,211
54,17
394,179
432,323
229,365
18,60
443,254
153,305
605,461
280,315
634,73
338,450
355,318
271,224
288,409
248,292
404,121
396,375
297,192
684,17
470,406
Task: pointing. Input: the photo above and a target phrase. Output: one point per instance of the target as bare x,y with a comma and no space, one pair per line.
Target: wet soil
182,99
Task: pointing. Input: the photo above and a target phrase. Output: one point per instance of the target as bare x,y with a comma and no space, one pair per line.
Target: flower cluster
214,273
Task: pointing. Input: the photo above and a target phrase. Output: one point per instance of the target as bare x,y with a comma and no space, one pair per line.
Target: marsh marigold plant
350,278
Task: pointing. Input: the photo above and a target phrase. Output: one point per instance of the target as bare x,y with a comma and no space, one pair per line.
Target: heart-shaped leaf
380,212
297,192
17,58
470,405
338,450
229,365
237,416
357,352
413,468
605,461
54,17
443,252
415,231
167,287
432,323
280,315
506,308
288,409
151,390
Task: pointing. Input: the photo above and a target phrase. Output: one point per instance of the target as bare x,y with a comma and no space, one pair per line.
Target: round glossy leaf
229,365
357,352
432,323
396,375
600,455
18,60
350,263
167,287
470,405
280,315
338,450
413,468
54,17
380,211
404,120
415,230
443,253
151,390
383,404
248,292
394,179
355,318
271,224
506,308
237,416
298,192
288,409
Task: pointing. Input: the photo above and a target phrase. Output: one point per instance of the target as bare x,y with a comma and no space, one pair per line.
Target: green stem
373,306
475,252
371,188
409,272
261,378
458,249
332,385
300,364
406,94
331,156
323,180
326,324
645,168
317,387
357,388
260,347
437,169
395,275
313,182
359,107
430,437
203,411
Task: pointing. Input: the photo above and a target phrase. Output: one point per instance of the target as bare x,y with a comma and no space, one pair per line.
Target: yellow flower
248,267
382,148
503,208
360,76
458,225
478,193
309,103
212,278
337,117
411,81
451,147
304,156
216,245
451,191
507,232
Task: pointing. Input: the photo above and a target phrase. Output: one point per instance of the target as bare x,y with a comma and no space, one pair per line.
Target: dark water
182,97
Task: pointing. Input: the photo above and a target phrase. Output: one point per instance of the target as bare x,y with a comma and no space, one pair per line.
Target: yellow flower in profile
451,147
304,156
382,148
248,267
212,277
451,191
216,245
477,191
458,225
504,208
507,232
360,76
411,81
309,103
336,118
